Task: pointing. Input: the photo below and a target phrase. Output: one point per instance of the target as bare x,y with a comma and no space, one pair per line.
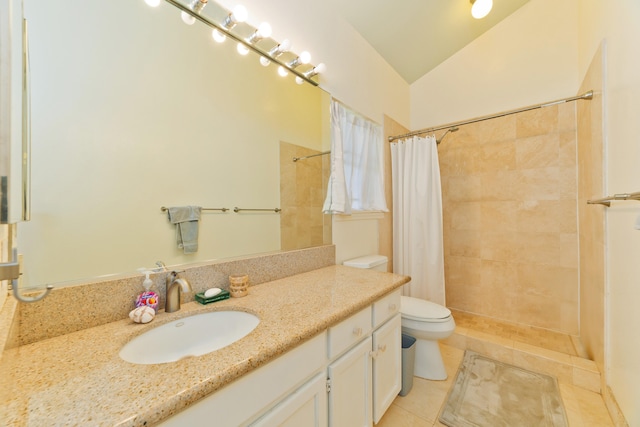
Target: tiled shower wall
302,189
510,218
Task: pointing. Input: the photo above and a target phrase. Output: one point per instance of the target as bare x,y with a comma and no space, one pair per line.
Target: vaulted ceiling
414,36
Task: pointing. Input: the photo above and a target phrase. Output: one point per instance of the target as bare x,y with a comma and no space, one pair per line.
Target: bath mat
488,393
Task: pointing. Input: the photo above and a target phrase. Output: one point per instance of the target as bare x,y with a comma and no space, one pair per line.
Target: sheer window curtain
357,165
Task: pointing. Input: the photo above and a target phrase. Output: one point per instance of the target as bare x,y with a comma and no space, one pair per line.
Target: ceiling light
263,31
481,8
304,58
152,3
278,50
239,14
218,36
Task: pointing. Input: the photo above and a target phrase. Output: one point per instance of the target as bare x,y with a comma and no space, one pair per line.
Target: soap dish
204,300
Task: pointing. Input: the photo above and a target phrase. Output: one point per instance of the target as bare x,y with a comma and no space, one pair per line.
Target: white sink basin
190,336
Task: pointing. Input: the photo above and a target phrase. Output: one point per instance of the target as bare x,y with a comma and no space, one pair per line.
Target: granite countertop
79,379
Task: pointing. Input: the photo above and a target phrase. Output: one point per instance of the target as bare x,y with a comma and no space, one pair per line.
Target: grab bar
622,196
276,210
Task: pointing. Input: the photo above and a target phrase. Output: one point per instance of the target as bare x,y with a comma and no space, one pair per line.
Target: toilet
424,320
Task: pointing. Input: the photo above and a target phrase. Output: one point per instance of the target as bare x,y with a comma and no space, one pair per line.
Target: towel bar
276,210
164,209
622,196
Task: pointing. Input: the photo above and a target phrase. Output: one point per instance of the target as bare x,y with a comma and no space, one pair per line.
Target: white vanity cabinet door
306,407
252,395
387,366
350,388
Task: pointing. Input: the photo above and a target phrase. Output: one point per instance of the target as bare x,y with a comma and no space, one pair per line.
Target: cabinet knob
382,348
392,307
357,331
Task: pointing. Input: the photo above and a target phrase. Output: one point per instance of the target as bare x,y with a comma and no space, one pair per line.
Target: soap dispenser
148,298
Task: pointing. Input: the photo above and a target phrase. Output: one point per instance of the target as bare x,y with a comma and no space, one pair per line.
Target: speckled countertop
79,379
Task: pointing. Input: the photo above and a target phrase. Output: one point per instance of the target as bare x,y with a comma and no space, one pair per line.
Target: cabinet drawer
349,332
386,308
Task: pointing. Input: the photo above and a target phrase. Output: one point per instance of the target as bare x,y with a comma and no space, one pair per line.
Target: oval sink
190,336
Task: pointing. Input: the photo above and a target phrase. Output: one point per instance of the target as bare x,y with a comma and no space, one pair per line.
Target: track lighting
481,8
239,14
304,58
220,31
263,31
281,48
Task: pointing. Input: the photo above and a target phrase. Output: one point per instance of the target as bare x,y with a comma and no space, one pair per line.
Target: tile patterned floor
422,406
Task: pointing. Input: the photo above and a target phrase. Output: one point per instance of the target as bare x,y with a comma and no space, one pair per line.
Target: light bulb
218,36
305,57
152,3
264,61
299,80
187,19
240,13
282,71
242,49
481,8
320,68
264,30
281,48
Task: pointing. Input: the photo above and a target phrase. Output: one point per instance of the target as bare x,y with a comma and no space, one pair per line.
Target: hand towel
186,220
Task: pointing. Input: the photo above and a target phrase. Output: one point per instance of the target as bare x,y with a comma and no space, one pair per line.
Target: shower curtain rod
586,95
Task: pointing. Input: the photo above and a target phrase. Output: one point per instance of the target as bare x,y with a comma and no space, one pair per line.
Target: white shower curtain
417,217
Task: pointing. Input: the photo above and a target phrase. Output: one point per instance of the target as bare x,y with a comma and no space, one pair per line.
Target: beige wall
616,23
509,213
591,217
528,58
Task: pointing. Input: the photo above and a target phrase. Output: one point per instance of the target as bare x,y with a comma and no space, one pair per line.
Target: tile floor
421,407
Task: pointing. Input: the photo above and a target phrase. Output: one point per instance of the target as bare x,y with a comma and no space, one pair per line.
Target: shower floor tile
538,337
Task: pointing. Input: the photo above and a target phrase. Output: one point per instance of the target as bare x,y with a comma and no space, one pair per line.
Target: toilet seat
422,310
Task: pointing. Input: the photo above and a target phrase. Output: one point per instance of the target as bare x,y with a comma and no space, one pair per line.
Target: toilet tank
370,262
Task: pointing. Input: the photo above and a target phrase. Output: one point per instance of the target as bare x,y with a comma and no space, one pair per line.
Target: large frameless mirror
132,111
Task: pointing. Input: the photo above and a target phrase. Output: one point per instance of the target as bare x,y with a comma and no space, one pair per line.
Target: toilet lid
419,309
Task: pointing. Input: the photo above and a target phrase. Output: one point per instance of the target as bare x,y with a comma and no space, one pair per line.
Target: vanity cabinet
345,377
366,377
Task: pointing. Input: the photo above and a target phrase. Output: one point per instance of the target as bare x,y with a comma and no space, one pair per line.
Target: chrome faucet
174,284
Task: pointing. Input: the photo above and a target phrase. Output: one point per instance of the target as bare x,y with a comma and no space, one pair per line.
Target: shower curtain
417,217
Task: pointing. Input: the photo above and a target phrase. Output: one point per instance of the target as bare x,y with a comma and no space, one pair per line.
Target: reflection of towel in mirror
186,220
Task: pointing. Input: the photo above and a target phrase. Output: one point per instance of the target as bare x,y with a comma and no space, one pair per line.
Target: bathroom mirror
132,111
